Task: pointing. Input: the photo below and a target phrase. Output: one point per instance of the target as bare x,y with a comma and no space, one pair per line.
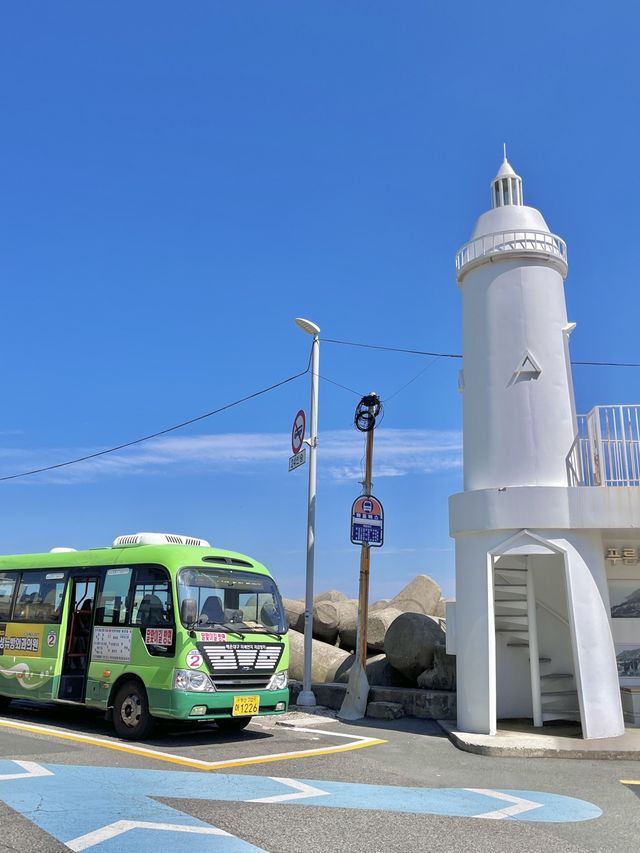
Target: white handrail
541,242
550,610
606,451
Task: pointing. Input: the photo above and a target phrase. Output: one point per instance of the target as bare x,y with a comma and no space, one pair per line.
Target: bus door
78,641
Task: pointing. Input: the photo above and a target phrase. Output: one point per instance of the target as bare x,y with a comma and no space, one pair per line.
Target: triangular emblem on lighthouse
527,369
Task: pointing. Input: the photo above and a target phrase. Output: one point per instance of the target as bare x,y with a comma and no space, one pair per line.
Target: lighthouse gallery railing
541,242
606,451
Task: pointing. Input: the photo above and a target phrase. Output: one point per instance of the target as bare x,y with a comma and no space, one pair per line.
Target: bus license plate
245,706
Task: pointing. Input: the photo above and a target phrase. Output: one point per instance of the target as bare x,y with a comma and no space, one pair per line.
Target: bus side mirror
189,611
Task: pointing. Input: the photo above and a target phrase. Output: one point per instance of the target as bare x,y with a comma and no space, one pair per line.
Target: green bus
158,626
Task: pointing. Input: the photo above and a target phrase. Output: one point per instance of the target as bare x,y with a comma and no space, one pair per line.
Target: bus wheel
131,717
5,701
233,724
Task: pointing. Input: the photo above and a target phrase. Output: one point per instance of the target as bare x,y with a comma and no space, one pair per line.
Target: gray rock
410,643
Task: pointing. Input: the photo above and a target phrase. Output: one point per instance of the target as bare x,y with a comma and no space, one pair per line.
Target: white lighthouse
532,625
516,367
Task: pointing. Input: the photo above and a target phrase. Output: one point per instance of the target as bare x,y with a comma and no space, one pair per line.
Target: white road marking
356,741
112,830
520,804
32,769
302,789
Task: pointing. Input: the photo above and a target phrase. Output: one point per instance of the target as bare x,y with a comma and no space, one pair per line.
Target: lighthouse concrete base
532,630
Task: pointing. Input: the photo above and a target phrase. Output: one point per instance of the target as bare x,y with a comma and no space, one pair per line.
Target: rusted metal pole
365,560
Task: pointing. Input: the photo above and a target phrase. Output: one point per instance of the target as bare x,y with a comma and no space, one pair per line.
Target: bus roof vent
158,539
228,561
61,550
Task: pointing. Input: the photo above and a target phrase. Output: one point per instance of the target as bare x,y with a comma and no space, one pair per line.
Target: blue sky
178,182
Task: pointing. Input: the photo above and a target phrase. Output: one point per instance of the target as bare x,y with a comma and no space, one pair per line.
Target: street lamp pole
306,696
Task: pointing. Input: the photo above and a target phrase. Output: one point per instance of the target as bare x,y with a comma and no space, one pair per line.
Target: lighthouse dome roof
509,218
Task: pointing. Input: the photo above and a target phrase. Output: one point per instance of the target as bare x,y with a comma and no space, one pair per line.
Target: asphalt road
64,777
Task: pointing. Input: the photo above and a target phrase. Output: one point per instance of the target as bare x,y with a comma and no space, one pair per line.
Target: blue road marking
113,797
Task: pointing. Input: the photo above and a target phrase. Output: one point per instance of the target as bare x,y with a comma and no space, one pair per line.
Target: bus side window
7,586
38,594
112,602
152,598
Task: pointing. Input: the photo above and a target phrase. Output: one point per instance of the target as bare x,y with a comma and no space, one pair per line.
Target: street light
306,696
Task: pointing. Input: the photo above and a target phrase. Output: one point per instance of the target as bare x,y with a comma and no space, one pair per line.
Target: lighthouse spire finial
506,187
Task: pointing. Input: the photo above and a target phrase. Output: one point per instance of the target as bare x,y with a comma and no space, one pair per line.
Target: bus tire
5,701
233,724
131,717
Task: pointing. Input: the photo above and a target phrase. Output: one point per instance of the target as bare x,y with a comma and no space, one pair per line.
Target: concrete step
556,695
415,702
514,618
385,710
557,675
518,572
560,715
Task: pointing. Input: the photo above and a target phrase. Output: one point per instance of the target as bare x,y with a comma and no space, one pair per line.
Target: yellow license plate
245,706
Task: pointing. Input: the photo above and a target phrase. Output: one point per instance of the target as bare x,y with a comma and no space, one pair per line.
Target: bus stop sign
367,521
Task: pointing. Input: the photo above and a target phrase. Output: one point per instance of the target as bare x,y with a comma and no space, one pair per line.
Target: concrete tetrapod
377,626
333,617
294,611
441,609
411,641
421,595
379,671
442,675
331,595
326,659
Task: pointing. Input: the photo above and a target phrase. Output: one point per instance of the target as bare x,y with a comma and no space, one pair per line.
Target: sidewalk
519,739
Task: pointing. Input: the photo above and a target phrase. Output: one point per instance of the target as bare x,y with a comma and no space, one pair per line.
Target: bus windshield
233,600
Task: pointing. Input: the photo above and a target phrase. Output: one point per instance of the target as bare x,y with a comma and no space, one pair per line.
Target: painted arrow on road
118,810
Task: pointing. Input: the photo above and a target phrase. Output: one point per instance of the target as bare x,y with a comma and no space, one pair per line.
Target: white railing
540,242
606,451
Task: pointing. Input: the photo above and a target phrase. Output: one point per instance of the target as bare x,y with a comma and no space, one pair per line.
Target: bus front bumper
192,705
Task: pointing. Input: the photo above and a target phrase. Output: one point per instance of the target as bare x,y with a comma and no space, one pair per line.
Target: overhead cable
155,434
458,355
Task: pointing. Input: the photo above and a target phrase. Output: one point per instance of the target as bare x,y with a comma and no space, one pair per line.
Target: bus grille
241,666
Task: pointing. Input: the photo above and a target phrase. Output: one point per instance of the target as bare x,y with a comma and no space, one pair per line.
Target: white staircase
554,696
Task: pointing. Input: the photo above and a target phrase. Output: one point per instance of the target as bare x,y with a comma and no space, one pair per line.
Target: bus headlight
279,680
188,679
